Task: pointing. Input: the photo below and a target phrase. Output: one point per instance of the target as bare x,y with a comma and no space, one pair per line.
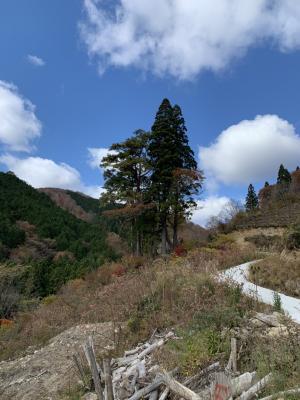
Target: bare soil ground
49,371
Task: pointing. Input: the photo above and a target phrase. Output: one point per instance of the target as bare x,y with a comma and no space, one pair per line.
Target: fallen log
164,394
154,395
242,383
195,379
151,348
179,388
147,389
256,388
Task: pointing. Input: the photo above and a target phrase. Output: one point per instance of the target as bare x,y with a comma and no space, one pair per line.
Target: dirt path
238,274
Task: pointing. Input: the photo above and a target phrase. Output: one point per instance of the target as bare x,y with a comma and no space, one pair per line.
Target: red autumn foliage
180,251
6,322
119,270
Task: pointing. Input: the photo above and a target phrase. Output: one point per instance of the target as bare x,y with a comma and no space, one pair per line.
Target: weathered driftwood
268,319
109,394
151,348
147,389
281,394
164,394
95,372
133,351
189,382
178,388
154,395
256,388
242,383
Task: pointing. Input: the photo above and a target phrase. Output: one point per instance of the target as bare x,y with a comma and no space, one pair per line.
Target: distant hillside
81,206
33,229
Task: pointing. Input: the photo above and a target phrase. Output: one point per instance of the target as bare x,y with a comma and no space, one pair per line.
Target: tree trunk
175,230
164,236
138,243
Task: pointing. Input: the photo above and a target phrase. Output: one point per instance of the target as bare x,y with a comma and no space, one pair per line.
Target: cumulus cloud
19,125
182,38
251,151
35,60
41,172
96,154
207,208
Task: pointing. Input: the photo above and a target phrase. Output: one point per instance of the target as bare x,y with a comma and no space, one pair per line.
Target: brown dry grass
278,273
159,294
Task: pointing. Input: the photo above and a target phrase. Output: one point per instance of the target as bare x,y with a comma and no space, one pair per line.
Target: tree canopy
154,176
251,199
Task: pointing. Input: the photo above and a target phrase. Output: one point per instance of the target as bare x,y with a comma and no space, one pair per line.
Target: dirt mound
49,371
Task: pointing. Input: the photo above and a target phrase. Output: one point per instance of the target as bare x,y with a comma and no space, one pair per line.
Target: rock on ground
49,371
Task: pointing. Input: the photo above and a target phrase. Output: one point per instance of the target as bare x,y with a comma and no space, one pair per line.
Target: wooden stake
109,394
95,373
234,355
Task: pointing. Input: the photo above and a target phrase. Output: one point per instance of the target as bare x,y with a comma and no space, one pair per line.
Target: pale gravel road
238,274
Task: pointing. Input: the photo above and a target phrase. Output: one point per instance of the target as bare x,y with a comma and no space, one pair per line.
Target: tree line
152,179
284,179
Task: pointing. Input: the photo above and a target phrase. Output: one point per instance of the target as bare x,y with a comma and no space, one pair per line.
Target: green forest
86,242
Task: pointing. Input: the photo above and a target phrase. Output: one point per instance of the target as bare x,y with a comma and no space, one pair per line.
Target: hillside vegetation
52,244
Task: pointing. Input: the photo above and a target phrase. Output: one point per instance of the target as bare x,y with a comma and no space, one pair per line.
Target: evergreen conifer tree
174,177
126,174
284,177
251,199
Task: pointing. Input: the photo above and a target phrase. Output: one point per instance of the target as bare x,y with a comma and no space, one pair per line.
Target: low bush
292,237
266,242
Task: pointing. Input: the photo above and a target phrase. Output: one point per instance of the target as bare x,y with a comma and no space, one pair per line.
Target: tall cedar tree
174,178
126,174
284,177
251,199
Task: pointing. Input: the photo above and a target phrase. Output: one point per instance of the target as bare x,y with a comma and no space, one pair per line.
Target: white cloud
182,38
96,155
251,151
18,122
207,208
41,172
36,61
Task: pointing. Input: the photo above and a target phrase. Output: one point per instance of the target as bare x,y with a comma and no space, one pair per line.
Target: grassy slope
278,273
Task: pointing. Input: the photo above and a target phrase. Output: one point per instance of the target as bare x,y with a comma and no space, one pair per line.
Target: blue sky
92,79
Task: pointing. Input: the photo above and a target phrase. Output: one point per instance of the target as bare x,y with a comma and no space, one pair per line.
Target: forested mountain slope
34,231
79,205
